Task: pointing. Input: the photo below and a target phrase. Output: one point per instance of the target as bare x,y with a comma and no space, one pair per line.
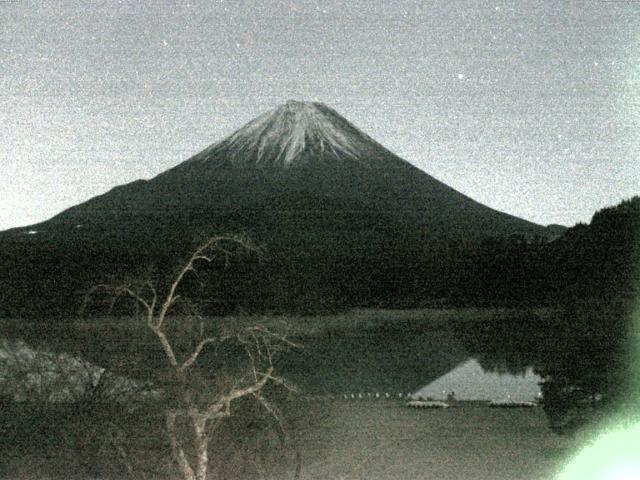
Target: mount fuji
297,155
338,213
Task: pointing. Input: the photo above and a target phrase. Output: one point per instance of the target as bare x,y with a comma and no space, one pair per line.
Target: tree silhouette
195,394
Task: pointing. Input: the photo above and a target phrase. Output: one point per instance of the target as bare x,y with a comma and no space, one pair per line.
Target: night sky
530,107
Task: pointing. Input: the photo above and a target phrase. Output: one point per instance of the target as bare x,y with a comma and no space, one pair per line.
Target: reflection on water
429,359
377,360
478,360
470,382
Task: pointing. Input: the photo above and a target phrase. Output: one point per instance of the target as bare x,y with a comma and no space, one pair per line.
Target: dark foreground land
373,440
386,440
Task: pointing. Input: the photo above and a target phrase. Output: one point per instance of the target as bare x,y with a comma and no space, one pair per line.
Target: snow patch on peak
281,135
297,104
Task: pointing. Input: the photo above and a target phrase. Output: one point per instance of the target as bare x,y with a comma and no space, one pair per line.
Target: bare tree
195,403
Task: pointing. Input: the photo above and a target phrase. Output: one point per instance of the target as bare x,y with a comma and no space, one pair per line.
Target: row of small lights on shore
413,400
360,396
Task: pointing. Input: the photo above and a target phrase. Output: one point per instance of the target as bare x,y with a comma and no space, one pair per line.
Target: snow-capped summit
293,132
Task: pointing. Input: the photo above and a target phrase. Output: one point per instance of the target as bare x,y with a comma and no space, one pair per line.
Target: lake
393,352
385,439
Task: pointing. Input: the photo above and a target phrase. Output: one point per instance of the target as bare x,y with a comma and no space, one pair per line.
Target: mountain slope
338,213
299,153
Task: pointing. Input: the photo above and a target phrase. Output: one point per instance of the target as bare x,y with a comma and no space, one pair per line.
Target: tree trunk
202,446
177,451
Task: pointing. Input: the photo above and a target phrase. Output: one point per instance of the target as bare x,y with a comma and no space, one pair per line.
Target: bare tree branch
168,350
223,405
274,412
260,345
138,297
194,355
212,245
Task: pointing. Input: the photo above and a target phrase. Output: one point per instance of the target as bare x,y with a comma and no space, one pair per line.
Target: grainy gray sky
531,107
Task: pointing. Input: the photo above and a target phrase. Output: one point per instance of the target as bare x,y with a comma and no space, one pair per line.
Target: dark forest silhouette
584,353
